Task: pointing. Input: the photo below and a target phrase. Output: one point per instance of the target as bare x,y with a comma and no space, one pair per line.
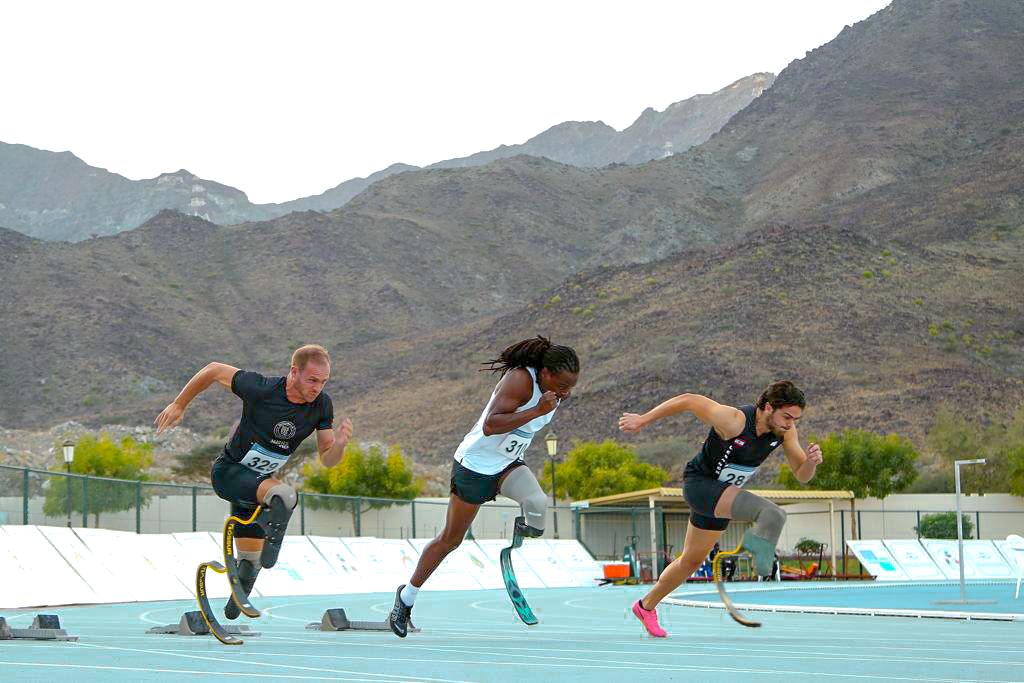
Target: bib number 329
262,460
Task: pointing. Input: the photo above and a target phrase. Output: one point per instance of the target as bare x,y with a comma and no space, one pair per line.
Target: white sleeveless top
491,454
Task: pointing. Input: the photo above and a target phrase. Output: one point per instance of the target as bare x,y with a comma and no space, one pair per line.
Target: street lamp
960,520
552,443
960,538
69,457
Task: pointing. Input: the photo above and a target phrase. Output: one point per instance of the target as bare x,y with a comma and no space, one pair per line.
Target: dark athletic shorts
476,488
702,494
237,484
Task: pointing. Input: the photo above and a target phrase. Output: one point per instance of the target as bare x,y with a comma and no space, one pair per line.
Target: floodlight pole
960,520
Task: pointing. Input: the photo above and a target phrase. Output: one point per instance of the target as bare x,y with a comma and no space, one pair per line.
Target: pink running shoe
649,618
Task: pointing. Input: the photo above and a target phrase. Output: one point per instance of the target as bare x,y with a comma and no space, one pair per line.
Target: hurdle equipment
193,624
508,575
716,571
335,619
44,627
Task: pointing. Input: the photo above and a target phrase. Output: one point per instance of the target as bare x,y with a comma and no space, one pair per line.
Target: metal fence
30,496
658,535
655,534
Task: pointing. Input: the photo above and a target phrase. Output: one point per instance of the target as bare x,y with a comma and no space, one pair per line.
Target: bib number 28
736,475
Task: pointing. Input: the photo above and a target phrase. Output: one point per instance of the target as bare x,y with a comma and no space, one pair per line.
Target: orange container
616,571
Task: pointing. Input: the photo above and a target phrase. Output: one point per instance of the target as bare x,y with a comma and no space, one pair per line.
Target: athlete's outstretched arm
514,390
803,463
726,420
200,382
330,443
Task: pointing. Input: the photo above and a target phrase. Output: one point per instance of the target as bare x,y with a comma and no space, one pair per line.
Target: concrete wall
604,534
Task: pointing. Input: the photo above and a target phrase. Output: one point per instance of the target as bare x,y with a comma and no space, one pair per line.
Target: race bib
263,460
515,444
737,475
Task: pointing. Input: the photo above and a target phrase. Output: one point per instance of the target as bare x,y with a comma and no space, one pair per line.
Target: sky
285,100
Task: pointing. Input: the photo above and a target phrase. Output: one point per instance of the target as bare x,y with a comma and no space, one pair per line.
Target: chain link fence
30,496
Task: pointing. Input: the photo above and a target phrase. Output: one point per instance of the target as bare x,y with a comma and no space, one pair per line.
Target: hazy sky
283,100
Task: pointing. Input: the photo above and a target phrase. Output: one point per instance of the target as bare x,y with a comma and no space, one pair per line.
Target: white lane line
385,608
23,615
573,603
443,637
775,654
249,662
517,635
540,613
582,663
676,648
679,649
145,616
247,674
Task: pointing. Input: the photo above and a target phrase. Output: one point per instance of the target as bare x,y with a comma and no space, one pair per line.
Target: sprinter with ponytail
535,377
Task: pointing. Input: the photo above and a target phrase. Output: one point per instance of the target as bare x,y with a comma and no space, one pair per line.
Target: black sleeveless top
270,420
735,460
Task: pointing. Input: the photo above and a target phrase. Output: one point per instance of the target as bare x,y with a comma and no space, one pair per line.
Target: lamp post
552,443
69,457
960,520
960,539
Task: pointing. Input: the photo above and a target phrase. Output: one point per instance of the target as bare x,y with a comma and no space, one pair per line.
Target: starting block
336,620
193,624
44,627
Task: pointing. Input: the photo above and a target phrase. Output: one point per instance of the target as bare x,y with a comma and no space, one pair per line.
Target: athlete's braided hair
535,353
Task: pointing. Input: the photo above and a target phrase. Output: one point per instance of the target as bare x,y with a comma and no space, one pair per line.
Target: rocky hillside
856,228
878,334
654,135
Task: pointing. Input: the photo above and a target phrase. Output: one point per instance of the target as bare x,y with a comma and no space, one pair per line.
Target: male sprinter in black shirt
278,413
740,439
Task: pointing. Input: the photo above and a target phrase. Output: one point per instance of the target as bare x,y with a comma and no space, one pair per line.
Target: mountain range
57,196
859,228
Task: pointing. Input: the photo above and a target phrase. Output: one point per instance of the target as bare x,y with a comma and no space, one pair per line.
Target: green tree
808,546
1015,460
102,457
863,462
592,470
954,437
933,482
197,462
363,474
299,457
943,525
